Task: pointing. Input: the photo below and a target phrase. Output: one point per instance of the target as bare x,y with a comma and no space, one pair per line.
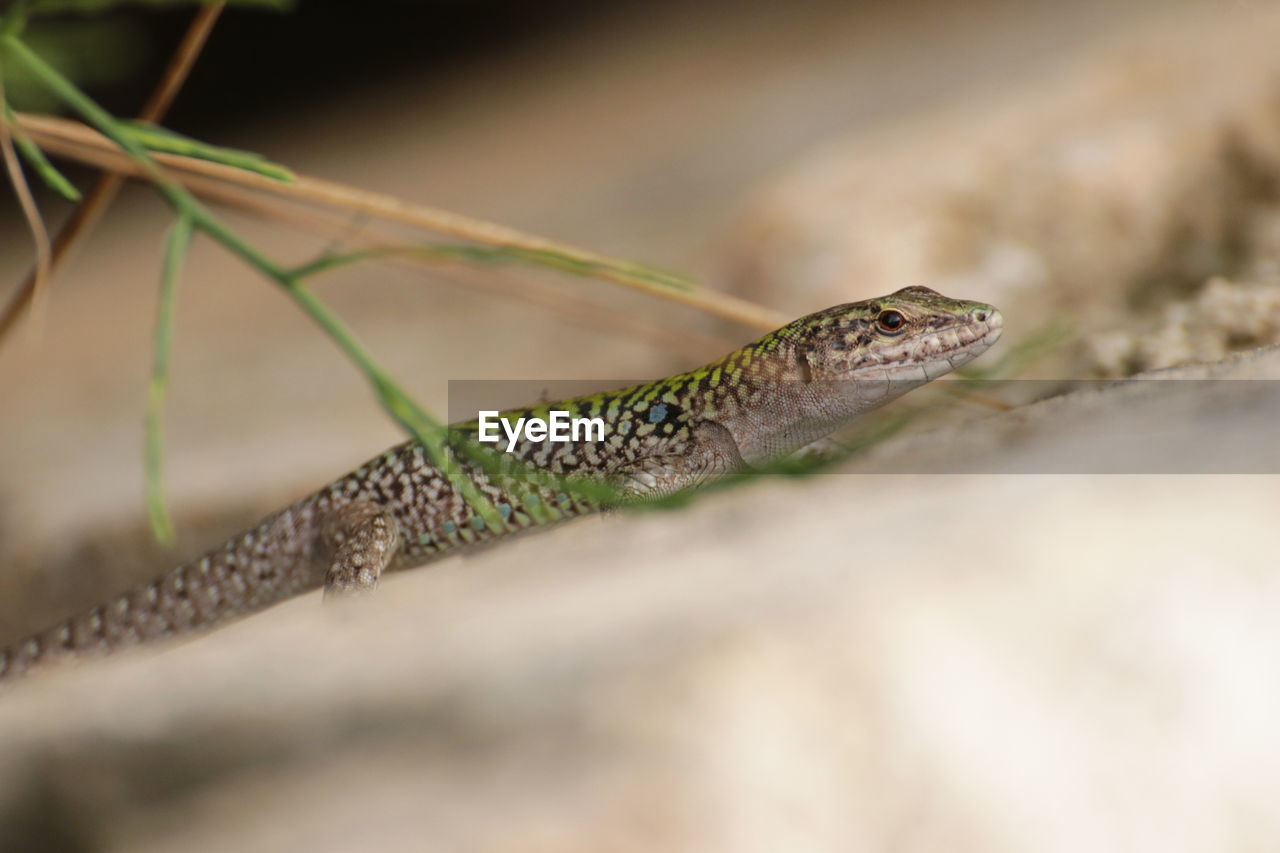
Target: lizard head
884,347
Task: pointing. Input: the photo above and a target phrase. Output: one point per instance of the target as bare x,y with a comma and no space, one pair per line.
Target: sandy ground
975,662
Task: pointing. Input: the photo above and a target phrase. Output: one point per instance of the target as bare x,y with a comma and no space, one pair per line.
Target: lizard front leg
709,452
825,449
361,539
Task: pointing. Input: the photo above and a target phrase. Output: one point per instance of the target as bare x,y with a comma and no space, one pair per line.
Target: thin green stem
175,253
165,141
52,178
14,20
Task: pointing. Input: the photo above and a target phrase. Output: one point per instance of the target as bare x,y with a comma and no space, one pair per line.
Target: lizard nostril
980,315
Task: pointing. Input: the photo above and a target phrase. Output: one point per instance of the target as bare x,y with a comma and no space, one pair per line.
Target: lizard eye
890,321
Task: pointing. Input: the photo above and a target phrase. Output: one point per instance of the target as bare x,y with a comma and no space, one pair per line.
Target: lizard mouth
995,327
949,349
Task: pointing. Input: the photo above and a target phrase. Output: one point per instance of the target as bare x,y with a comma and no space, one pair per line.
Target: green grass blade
175,254
155,138
31,152
14,20
52,178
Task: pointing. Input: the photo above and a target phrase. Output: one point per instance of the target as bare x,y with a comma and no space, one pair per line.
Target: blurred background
860,662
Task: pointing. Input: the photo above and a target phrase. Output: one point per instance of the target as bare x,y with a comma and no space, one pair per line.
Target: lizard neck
772,405
760,394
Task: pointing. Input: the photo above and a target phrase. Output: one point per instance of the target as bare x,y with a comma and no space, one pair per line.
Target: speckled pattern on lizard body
770,398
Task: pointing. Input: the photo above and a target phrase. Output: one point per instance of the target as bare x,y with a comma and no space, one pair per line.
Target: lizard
773,397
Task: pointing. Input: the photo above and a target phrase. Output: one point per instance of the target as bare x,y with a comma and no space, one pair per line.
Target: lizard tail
254,570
